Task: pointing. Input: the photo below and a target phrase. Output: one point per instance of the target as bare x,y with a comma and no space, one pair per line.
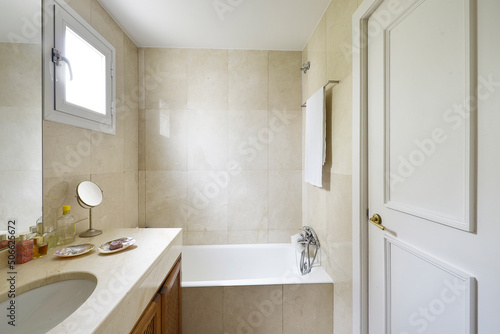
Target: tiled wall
20,135
220,144
72,155
328,209
264,309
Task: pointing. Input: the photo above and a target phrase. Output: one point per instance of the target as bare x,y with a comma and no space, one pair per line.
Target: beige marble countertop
126,280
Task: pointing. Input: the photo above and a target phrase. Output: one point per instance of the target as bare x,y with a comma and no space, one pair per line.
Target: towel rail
324,86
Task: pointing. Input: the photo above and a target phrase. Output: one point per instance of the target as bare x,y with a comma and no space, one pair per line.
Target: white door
434,163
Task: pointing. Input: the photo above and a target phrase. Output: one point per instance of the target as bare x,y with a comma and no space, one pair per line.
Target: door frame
360,163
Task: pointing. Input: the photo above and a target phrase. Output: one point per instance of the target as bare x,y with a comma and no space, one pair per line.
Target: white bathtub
238,265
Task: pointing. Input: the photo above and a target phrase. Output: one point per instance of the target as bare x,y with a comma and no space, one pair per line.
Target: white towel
315,149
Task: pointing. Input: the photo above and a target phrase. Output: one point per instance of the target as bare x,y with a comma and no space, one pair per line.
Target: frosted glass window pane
88,87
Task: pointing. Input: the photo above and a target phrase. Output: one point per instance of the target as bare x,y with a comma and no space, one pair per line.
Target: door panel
429,147
422,161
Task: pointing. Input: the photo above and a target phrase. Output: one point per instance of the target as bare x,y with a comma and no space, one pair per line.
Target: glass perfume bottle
24,250
50,237
66,227
40,247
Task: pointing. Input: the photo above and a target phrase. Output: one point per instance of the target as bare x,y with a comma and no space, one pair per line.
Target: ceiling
218,24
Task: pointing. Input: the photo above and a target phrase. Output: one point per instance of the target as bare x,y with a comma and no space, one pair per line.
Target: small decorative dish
74,250
118,245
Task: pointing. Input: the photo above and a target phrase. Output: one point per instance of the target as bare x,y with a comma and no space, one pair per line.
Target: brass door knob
377,221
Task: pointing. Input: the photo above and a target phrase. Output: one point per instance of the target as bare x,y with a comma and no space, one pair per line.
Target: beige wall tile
285,200
166,199
285,139
285,80
59,191
205,238
248,79
253,309
207,139
166,140
20,70
281,236
207,200
316,54
82,7
207,79
307,308
342,304
248,138
110,213
341,125
248,201
107,151
142,200
166,78
66,150
202,310
131,199
20,138
141,154
247,237
21,198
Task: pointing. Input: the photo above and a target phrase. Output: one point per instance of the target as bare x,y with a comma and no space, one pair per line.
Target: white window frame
57,16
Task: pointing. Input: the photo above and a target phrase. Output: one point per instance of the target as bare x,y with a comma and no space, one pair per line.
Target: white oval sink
43,308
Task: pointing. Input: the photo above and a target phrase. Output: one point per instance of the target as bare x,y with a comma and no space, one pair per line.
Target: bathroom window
79,66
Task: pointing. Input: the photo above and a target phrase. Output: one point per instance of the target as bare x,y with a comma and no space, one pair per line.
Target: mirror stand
89,195
90,232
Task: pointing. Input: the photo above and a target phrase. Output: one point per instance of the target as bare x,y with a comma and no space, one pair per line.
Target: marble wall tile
142,140
165,78
307,308
281,236
253,309
207,139
17,185
316,54
82,7
66,150
110,213
142,199
130,199
207,200
107,151
19,69
248,139
285,141
21,138
285,200
202,310
205,238
248,79
59,191
247,237
285,80
166,199
248,201
166,140
207,83
342,304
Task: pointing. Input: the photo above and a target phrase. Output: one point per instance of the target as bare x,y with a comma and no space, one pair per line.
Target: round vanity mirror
88,194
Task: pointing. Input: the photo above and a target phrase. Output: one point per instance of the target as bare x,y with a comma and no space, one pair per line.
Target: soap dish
74,250
126,242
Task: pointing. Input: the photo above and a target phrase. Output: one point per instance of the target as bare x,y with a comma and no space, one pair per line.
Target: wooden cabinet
164,314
